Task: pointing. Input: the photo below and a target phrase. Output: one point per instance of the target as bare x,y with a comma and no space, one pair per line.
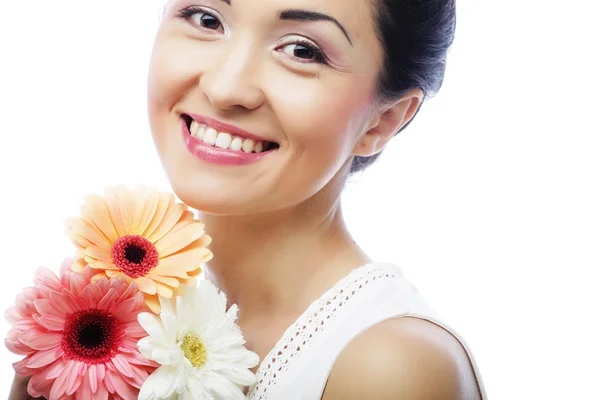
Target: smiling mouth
226,140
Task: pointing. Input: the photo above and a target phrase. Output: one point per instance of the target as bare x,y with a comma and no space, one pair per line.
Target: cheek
326,115
166,79
171,76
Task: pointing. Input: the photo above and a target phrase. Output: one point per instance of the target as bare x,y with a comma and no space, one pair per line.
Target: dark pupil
91,336
210,22
303,52
135,254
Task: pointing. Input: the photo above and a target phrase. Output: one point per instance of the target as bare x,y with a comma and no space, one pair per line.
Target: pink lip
216,155
223,127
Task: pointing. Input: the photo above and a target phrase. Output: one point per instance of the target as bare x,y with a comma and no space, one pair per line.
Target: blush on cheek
342,111
317,108
174,71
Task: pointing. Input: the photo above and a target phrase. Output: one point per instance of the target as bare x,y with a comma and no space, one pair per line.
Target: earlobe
387,122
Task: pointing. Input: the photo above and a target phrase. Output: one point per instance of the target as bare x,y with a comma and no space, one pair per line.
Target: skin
18,391
280,240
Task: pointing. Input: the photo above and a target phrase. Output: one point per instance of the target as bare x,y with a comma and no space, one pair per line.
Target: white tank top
298,367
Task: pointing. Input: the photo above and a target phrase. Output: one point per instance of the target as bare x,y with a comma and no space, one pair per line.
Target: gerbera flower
79,337
199,346
142,236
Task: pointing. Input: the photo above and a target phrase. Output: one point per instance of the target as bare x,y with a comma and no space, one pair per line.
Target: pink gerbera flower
79,337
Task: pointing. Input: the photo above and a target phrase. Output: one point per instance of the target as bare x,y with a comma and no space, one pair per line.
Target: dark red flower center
91,336
134,255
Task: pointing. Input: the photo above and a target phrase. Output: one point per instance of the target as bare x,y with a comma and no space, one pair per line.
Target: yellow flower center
194,350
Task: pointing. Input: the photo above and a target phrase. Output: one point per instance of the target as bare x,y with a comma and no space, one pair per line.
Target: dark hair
415,36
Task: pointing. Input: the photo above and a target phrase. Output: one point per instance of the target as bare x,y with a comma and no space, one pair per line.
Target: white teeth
236,144
223,140
248,146
210,136
201,132
194,128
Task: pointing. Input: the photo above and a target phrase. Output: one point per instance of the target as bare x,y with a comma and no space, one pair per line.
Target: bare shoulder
403,358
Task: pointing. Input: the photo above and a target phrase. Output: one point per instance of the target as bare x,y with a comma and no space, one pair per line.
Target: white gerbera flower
199,346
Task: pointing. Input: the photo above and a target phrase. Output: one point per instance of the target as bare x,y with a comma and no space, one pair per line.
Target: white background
490,201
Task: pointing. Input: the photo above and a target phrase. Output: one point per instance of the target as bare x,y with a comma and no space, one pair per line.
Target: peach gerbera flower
143,236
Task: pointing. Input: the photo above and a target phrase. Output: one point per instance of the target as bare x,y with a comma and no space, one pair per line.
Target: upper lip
224,127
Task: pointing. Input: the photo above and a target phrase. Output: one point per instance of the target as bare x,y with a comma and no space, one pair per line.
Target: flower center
194,350
91,336
134,255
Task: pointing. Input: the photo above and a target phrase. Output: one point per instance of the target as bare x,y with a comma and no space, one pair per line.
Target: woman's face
297,76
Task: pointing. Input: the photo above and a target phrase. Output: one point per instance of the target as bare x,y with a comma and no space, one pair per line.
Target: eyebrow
304,15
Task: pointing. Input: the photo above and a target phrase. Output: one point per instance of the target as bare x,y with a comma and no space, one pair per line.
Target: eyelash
320,56
186,13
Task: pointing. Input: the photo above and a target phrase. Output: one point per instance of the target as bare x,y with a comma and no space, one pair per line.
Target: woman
260,111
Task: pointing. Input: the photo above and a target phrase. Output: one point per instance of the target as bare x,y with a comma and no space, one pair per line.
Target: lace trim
300,335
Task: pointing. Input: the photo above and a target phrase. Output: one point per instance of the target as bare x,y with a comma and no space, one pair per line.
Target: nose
230,81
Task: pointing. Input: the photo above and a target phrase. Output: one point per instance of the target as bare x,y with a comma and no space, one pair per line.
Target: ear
388,121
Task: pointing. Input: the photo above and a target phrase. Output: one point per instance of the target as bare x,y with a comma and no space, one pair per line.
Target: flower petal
146,285
45,341
172,216
53,371
162,205
93,378
126,308
172,282
88,232
44,307
84,392
45,277
96,210
219,387
127,204
79,265
44,357
108,300
177,240
38,384
98,253
164,290
146,202
59,387
183,264
122,365
153,303
152,324
162,384
122,387
101,393
74,379
111,197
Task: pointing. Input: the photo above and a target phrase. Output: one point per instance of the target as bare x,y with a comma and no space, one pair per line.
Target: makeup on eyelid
332,47
314,31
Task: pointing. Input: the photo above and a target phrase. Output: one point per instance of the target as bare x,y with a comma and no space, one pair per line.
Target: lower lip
216,155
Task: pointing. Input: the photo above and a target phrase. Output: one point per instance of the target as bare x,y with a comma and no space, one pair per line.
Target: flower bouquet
125,318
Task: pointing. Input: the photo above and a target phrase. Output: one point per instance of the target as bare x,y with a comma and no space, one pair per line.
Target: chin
211,197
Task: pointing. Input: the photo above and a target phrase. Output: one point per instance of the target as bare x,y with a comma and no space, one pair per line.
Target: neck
277,264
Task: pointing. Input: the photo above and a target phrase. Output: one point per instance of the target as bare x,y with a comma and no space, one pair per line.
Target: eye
304,51
202,18
206,20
